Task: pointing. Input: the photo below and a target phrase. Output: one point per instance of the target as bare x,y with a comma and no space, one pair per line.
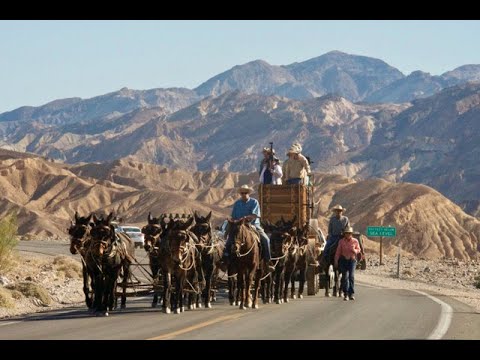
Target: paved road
377,313
52,248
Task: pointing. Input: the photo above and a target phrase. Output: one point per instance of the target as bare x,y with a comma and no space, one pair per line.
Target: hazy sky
45,60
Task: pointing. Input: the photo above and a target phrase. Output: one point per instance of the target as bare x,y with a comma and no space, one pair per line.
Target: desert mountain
355,78
434,142
46,194
216,133
104,107
350,76
182,128
416,85
420,84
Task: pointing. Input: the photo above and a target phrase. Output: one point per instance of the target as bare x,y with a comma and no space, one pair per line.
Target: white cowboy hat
339,207
244,188
298,146
294,149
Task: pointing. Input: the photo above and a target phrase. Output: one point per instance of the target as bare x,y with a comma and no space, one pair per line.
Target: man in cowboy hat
249,208
346,260
296,167
338,223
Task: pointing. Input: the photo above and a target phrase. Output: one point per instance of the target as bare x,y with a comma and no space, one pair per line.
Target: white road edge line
445,317
446,313
9,323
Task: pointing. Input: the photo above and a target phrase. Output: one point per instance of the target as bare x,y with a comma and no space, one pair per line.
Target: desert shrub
17,295
6,300
30,289
477,281
8,240
69,267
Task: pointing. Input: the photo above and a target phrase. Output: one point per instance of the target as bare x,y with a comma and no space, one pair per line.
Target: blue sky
45,60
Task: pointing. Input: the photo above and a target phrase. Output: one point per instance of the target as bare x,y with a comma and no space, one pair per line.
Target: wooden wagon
288,201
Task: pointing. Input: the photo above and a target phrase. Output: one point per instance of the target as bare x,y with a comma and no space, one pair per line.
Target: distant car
134,232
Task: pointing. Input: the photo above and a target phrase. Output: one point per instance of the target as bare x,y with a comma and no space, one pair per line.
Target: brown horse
211,249
109,253
245,254
153,231
79,241
178,256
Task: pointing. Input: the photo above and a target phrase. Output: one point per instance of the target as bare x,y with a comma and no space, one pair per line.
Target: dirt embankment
39,283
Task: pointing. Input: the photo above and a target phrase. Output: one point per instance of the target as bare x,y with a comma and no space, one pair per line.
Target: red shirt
347,248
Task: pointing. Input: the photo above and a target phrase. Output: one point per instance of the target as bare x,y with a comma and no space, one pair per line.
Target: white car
134,232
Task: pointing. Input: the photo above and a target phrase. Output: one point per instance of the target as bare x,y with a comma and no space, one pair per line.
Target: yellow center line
197,326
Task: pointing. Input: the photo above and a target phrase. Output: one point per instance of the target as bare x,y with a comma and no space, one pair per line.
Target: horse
246,259
178,256
108,254
211,250
231,270
153,232
327,265
79,241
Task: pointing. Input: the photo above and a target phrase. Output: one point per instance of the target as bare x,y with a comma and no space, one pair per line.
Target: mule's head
282,238
103,234
202,228
302,235
178,237
78,232
152,231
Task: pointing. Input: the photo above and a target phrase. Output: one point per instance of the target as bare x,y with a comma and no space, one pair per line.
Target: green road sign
373,231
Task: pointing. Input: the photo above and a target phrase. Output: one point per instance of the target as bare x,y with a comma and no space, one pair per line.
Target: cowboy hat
294,149
266,149
298,146
348,229
244,188
339,207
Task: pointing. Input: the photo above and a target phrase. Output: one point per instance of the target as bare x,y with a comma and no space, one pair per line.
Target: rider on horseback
338,223
249,208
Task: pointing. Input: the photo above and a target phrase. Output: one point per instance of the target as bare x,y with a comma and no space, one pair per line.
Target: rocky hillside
434,142
45,195
226,132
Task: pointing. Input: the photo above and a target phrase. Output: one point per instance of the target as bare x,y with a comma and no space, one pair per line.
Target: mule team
186,256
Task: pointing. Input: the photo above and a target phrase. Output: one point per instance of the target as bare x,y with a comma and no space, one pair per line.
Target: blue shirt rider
249,208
